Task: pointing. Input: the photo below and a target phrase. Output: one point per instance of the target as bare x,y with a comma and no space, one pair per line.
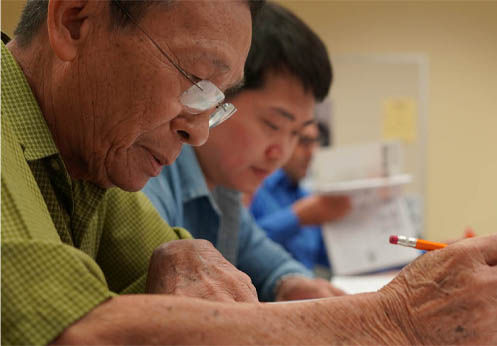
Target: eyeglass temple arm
118,3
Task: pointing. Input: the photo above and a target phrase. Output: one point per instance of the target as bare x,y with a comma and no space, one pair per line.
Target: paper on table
371,175
359,243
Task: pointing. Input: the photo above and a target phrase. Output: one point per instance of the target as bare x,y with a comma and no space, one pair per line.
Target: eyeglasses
306,141
202,95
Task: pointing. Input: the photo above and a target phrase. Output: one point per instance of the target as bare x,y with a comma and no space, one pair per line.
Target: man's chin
249,188
130,185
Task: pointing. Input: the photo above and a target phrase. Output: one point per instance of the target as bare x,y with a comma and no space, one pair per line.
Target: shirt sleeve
264,260
133,230
46,285
281,224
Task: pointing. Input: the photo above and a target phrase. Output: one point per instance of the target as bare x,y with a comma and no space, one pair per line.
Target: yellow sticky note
399,119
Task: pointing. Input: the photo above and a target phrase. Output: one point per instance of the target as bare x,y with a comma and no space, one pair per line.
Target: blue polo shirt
181,196
272,209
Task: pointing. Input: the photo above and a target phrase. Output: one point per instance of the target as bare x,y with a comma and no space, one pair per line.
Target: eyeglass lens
223,112
198,99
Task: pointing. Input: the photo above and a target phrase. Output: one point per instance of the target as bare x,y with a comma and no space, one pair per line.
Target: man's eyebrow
220,65
308,122
234,88
284,113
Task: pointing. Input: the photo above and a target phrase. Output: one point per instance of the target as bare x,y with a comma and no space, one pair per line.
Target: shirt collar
24,115
193,179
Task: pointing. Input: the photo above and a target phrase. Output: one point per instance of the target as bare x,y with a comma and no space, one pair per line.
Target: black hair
34,14
325,137
282,43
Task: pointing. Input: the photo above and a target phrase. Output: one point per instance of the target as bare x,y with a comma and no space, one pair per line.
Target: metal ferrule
407,241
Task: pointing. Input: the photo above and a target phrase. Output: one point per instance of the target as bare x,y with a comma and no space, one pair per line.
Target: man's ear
67,26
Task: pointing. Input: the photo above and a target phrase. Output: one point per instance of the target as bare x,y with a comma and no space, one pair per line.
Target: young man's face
257,140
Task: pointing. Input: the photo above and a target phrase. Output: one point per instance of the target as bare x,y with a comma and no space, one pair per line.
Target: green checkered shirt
67,245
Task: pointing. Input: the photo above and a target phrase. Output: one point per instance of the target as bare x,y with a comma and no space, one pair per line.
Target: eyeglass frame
307,141
226,107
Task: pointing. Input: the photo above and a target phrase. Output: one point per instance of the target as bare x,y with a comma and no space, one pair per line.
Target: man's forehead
202,16
291,116
215,35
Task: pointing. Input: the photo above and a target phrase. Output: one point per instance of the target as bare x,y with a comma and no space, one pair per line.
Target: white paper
362,283
357,162
348,186
360,242
371,175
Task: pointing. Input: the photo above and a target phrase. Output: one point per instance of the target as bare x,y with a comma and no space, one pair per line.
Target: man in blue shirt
200,191
286,211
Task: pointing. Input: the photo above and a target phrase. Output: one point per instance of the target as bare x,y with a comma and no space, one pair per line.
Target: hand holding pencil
454,290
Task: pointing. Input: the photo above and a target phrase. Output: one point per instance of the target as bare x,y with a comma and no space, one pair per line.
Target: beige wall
460,40
11,11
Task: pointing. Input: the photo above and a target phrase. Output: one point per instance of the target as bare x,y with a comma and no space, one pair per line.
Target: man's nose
192,129
275,152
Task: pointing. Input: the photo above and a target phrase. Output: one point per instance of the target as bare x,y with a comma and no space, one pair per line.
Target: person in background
289,214
200,191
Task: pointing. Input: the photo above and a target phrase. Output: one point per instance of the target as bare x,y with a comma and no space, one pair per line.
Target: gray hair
34,14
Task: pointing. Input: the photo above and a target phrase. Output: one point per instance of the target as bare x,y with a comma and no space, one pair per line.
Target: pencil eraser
394,239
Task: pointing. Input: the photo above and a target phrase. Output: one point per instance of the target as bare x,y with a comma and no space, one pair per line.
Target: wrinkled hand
318,209
195,268
448,296
296,287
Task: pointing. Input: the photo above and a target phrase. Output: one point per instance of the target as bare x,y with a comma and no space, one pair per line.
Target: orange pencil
416,243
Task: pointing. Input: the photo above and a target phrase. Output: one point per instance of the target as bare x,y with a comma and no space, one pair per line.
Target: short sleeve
45,288
132,231
46,285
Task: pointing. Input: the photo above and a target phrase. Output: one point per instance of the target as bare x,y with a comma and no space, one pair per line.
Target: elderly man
90,100
97,94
